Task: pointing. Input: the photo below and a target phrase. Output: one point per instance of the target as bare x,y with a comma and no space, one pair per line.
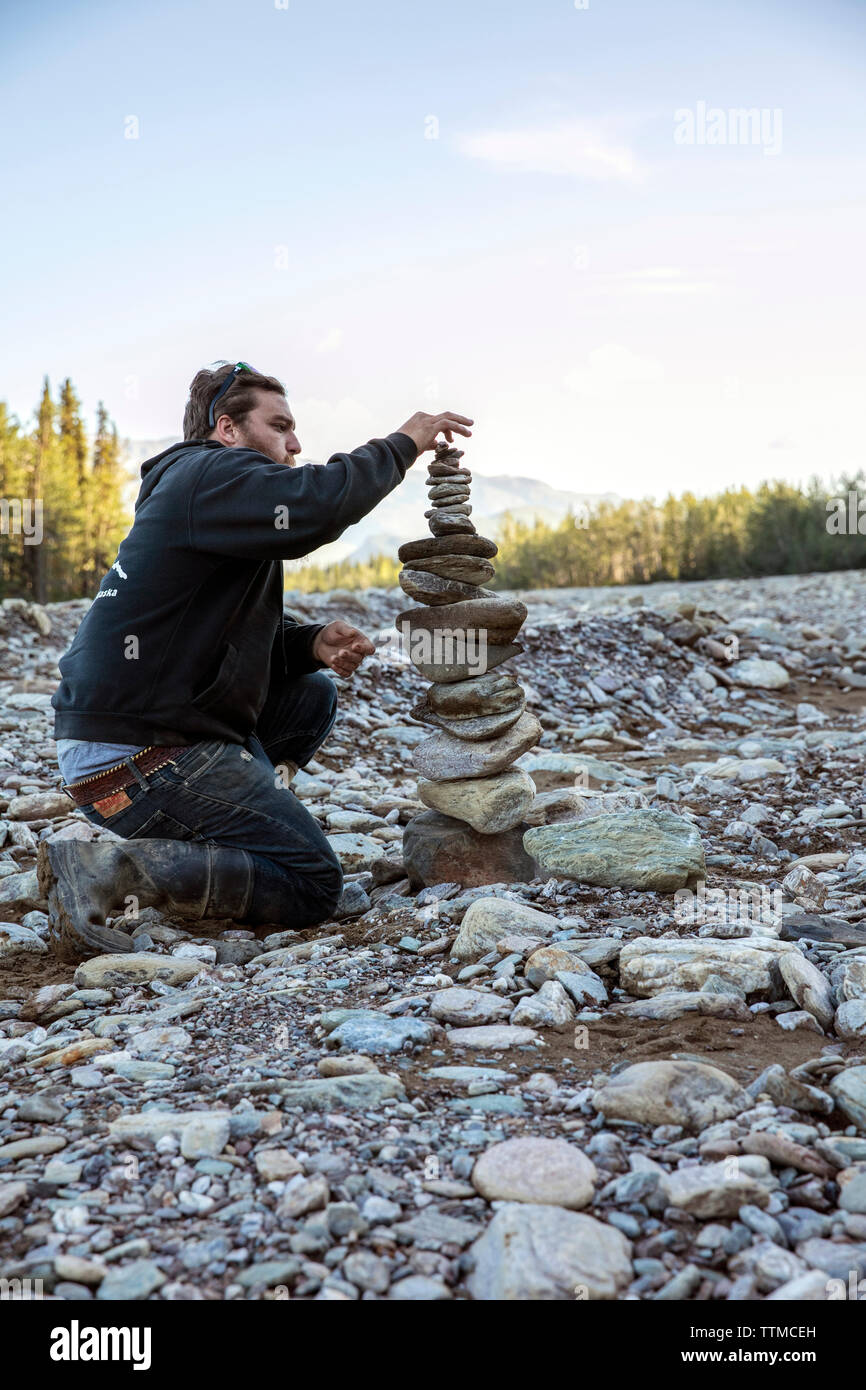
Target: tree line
778,528
62,514
62,518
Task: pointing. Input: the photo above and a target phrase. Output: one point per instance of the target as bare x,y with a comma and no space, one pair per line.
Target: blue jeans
233,794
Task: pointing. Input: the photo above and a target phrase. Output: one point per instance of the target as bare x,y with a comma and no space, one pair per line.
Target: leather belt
114,779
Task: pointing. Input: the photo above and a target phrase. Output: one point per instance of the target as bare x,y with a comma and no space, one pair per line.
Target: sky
544,215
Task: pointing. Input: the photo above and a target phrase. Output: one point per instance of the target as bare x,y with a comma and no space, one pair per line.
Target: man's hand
342,647
423,429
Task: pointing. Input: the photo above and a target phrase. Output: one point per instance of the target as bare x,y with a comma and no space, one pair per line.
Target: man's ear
225,431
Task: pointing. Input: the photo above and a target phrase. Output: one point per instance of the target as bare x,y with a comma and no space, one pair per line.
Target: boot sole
71,940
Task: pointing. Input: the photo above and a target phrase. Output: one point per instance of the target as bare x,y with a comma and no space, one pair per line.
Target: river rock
653,965
378,1035
481,727
459,545
809,988
460,569
493,1037
468,1007
711,1190
16,941
488,804
758,674
551,1172
850,1019
646,850
499,619
545,1253
454,660
551,1007
441,849
443,757
580,770
443,523
497,692
134,969
40,806
849,1091
487,920
435,589
691,1094
677,1003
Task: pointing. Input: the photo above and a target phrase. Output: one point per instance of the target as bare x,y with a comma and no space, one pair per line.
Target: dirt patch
26,973
743,1053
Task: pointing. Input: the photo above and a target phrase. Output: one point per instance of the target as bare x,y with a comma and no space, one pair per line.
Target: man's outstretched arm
247,506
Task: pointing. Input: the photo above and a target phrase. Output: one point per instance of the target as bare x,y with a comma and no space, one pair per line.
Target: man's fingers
449,424
458,419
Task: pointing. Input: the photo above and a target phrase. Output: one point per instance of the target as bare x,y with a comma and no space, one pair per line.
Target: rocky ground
528,1090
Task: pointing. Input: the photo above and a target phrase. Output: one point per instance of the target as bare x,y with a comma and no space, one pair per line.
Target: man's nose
293,444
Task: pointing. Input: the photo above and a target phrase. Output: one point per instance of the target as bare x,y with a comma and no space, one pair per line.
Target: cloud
609,369
331,341
663,279
579,149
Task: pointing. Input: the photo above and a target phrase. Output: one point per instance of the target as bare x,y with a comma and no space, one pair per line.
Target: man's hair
237,402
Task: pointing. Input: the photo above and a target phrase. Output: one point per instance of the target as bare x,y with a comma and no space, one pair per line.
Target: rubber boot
84,882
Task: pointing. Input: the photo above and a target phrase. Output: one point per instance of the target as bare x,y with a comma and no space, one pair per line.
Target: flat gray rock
545,1253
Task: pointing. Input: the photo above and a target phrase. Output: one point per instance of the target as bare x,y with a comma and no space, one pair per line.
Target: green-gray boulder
644,849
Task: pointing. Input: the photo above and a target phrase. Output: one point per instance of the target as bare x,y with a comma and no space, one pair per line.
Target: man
188,699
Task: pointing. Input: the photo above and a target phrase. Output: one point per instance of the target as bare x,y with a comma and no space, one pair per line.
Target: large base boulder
644,849
440,849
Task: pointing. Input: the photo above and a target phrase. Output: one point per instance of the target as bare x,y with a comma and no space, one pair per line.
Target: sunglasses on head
226,386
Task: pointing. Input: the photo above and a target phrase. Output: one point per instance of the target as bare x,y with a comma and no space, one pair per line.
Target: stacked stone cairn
460,639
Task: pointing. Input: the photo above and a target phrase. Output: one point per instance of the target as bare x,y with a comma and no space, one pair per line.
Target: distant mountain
401,516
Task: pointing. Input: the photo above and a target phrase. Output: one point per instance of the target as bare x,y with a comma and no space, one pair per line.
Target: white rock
548,1171
549,1008
808,987
487,920
545,1253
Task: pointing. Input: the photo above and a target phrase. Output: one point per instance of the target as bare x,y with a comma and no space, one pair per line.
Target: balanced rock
443,524
488,804
443,758
481,727
467,569
645,850
496,692
441,849
435,589
454,658
499,619
461,545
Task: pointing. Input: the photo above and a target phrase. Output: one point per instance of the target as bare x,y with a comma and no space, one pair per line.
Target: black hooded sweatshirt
177,646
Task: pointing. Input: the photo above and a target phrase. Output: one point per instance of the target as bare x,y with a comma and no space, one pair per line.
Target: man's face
269,428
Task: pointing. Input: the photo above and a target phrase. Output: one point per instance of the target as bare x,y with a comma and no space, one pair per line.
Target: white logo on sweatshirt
122,573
